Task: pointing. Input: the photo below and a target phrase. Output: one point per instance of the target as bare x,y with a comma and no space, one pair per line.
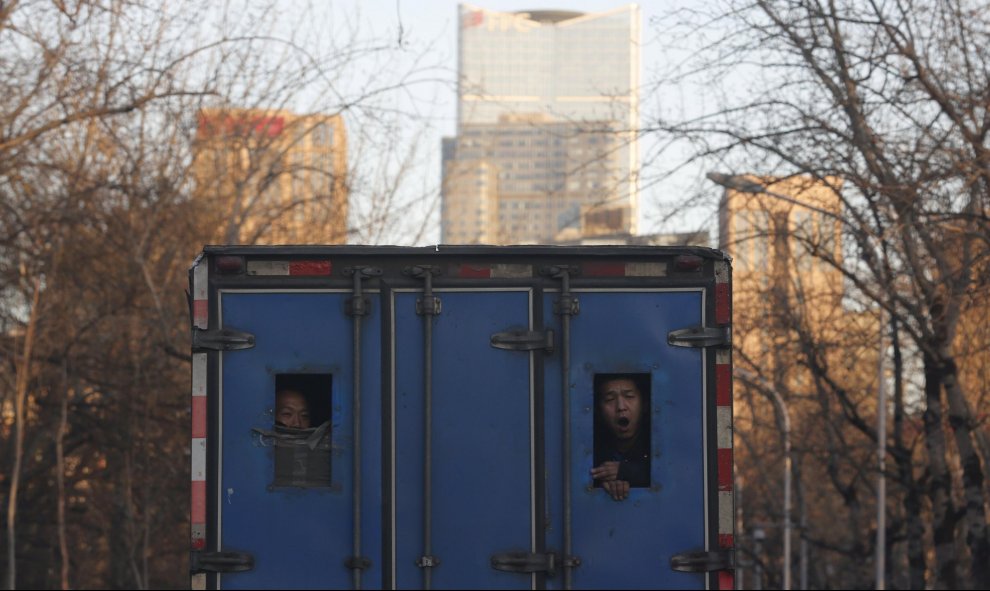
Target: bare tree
889,97
99,220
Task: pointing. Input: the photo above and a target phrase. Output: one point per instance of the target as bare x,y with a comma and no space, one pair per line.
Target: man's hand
619,489
607,472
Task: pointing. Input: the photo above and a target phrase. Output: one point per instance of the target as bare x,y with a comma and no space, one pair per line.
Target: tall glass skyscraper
546,147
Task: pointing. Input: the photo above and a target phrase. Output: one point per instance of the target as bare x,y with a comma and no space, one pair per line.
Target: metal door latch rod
427,306
358,307
566,306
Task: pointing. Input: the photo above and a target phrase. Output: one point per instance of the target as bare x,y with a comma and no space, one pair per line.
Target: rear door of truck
279,326
621,321
453,404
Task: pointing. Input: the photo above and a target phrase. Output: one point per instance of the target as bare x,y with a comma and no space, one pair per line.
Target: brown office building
272,177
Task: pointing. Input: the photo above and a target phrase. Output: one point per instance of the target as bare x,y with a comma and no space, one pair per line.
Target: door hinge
523,340
701,562
220,562
525,562
701,336
225,339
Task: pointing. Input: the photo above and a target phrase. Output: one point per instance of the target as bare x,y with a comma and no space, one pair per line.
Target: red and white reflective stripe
723,418
201,308
723,436
493,271
290,268
723,293
624,269
197,507
601,269
201,320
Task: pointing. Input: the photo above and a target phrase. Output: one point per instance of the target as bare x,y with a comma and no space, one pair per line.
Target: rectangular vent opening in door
622,430
302,430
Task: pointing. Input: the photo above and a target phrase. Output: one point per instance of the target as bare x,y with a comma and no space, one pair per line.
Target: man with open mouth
622,458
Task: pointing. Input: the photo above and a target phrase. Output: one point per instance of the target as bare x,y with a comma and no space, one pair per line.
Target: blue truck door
628,544
299,536
481,478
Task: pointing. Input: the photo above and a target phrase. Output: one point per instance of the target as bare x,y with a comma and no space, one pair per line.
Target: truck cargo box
455,402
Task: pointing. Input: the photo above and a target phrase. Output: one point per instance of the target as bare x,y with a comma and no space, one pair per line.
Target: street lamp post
758,535
786,421
881,549
747,185
785,427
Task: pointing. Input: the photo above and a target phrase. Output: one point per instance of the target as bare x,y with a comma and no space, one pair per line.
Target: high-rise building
272,177
546,147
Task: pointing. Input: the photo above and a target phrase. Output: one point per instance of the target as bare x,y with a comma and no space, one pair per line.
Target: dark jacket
634,464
